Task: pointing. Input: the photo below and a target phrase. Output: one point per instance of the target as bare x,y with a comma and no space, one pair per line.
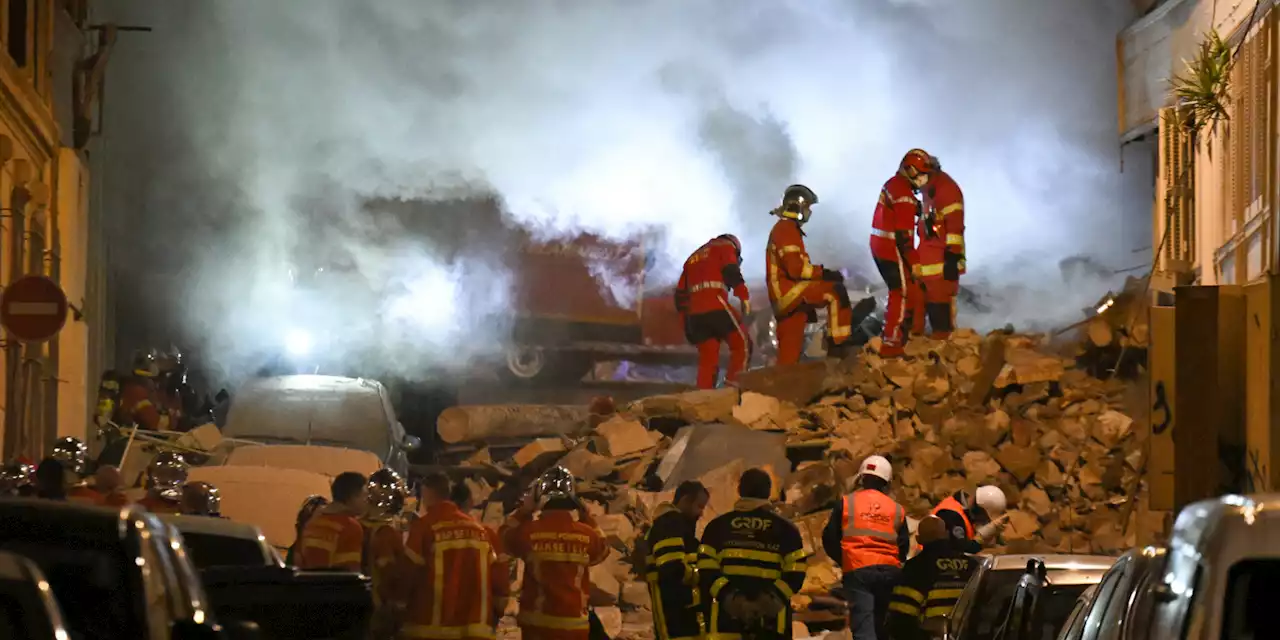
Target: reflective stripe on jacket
558,552
453,567
944,208
787,266
672,575
871,523
709,274
895,216
331,540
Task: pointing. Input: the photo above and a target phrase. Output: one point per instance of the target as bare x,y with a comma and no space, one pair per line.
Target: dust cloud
248,139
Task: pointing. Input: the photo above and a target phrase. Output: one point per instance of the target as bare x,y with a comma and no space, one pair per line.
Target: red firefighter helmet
916,167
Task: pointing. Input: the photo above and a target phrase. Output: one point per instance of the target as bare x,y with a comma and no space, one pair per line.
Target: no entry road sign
33,308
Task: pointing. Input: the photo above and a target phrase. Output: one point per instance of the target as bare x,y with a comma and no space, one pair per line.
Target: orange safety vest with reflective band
452,563
871,522
951,504
787,266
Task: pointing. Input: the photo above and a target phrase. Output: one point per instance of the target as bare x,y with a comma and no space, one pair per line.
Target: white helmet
877,466
991,499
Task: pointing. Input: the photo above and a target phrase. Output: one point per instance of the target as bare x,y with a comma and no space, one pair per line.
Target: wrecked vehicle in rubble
570,302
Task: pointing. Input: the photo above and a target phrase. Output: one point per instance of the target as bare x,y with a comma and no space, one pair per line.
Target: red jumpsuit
796,289
941,252
892,248
702,297
137,402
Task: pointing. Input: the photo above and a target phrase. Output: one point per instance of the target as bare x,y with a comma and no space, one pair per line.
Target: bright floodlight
297,342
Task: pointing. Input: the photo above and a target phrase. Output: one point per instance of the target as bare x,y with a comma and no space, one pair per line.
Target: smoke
275,124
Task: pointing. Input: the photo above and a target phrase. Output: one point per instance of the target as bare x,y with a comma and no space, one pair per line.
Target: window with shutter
1247,181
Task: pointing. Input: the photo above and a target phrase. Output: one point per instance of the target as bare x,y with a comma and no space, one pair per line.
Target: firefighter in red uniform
702,298
165,477
893,247
558,552
384,547
941,249
797,287
138,397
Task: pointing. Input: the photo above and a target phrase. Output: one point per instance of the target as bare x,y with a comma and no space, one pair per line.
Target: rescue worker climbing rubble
702,298
868,533
384,543
750,563
671,566
333,537
797,287
932,582
940,250
457,583
893,247
558,553
165,477
973,519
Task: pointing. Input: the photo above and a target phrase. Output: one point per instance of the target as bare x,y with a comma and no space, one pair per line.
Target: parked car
247,581
1121,603
1000,591
27,608
1222,572
117,574
218,542
335,411
1075,622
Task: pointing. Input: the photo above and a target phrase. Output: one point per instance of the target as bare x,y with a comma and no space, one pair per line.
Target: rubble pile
1005,409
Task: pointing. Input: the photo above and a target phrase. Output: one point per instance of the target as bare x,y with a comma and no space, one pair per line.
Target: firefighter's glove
989,531
831,275
951,267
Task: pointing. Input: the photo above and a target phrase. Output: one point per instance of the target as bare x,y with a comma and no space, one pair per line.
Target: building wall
44,228
1217,225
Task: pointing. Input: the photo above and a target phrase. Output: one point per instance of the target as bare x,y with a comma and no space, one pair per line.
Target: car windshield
991,602
92,585
995,594
223,551
22,615
1253,587
1054,607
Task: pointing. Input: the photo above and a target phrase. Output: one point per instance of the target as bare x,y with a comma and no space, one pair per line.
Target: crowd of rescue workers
438,572
917,242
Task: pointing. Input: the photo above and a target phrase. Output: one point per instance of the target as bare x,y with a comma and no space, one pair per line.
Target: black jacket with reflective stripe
670,571
931,583
751,550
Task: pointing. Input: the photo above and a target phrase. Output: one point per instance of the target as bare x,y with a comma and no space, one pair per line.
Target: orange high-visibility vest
871,522
951,504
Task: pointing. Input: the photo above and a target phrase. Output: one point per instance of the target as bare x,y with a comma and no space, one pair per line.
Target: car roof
312,409
1052,562
62,520
214,526
1235,522
16,567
